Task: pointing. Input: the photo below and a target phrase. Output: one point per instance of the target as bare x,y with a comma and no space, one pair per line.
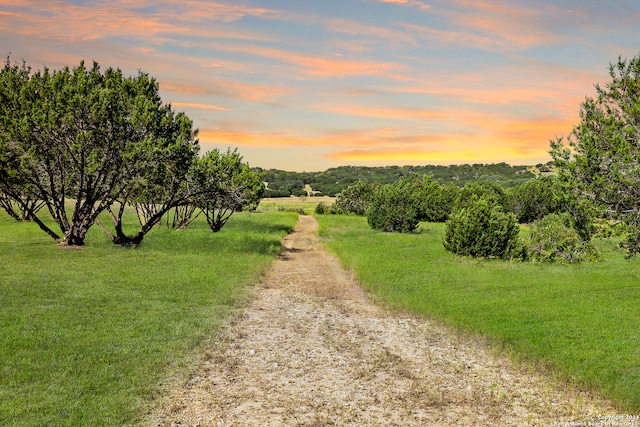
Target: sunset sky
305,85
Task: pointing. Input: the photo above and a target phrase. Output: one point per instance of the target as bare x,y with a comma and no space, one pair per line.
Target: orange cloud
494,37
180,105
230,89
398,113
499,25
479,138
317,66
195,11
402,156
68,22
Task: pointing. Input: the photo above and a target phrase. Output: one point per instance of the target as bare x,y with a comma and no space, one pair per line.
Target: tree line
334,180
77,143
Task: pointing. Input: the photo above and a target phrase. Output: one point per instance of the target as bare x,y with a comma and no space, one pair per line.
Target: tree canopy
600,160
223,184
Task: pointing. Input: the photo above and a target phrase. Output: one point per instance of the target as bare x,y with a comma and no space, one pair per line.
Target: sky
306,85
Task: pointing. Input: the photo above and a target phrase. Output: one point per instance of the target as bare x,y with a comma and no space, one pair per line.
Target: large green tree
600,160
77,140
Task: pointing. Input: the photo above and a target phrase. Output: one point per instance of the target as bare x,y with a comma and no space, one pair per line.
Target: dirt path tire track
312,350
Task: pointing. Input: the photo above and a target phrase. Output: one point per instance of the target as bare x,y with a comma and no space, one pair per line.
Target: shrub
534,199
482,229
354,199
554,239
394,207
436,201
439,204
322,208
481,189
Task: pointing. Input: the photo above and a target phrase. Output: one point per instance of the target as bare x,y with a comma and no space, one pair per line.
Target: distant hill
333,181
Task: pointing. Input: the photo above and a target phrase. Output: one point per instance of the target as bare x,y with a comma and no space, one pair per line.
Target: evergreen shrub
354,199
323,208
554,239
482,229
394,207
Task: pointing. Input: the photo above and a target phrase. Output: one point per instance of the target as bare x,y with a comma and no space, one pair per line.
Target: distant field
89,335
581,323
306,204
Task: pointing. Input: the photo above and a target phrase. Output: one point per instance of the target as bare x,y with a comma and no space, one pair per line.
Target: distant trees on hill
333,181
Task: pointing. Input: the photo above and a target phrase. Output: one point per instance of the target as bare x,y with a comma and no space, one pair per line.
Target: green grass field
89,335
580,323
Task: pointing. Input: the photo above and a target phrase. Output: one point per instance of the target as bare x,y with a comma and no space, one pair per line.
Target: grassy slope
88,335
581,321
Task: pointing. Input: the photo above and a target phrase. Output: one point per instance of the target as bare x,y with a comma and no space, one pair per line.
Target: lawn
580,323
89,335
295,204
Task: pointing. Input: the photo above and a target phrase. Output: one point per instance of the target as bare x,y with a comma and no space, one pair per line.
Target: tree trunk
8,207
44,228
75,237
120,238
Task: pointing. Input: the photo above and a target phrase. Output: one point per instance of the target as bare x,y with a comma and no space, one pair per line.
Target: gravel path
312,350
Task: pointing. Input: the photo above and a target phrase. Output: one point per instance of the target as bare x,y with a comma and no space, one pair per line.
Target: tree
436,200
355,198
75,139
395,207
482,229
223,185
554,239
14,198
534,199
600,160
18,205
482,189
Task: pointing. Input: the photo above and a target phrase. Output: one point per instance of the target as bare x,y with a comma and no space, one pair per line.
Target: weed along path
312,350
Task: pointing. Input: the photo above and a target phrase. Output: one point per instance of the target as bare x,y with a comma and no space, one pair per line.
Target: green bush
322,208
439,204
482,229
395,207
481,189
554,239
534,199
355,198
436,201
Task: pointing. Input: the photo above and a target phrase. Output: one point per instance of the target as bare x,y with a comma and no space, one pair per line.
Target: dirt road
312,350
